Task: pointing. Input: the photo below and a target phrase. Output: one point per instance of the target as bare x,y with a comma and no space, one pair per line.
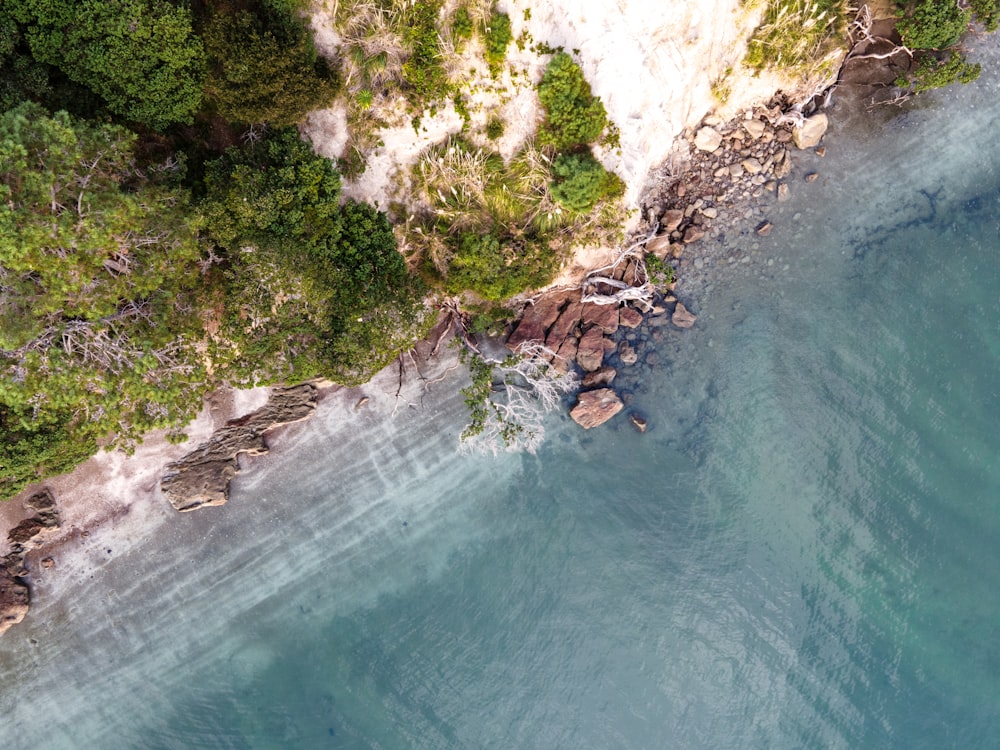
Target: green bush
496,267
581,181
264,68
141,56
932,73
987,12
423,72
497,36
573,115
932,24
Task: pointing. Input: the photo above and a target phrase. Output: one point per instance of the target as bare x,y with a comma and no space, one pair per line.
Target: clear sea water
803,551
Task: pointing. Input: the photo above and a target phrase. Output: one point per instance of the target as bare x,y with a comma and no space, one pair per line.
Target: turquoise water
802,552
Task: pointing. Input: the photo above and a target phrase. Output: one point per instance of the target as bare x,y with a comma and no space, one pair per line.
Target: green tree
573,115
581,181
932,24
141,56
314,289
97,328
264,67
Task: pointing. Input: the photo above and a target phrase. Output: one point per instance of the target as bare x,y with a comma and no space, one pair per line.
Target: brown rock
638,421
659,245
15,600
603,376
811,177
682,317
629,317
764,228
564,326
811,131
201,478
603,316
27,530
693,234
627,353
48,562
536,319
783,192
672,219
590,354
594,408
566,354
820,151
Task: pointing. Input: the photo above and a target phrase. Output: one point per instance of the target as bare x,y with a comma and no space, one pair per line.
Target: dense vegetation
161,233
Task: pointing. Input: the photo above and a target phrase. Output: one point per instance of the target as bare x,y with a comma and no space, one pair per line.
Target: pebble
811,177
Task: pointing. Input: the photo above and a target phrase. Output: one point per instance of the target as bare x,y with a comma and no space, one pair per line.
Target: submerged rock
594,408
15,599
201,478
590,354
682,317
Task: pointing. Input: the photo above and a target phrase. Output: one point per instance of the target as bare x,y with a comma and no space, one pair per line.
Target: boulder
590,353
659,246
707,139
603,316
627,353
536,320
603,376
629,317
693,234
566,354
672,219
201,478
594,408
15,599
638,421
565,325
809,134
754,128
682,317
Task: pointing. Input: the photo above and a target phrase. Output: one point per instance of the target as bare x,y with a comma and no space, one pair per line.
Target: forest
164,229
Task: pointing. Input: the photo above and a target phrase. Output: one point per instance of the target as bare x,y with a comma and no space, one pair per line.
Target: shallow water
801,552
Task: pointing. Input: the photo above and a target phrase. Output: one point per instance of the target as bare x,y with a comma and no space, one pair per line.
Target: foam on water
801,552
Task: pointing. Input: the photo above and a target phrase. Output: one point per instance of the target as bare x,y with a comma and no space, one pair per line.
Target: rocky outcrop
594,408
201,478
15,595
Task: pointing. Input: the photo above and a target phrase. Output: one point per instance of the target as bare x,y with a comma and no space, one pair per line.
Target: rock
566,354
536,320
811,177
594,408
15,599
682,317
672,219
708,139
783,191
27,530
659,245
603,376
627,353
820,151
752,165
48,562
764,228
782,166
782,136
638,421
604,316
565,325
201,478
710,212
361,402
809,134
629,317
693,234
754,128
590,351
735,170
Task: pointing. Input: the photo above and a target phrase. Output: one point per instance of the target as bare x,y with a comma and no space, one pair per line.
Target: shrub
581,181
797,35
932,24
987,12
264,68
573,115
496,267
932,73
141,56
497,36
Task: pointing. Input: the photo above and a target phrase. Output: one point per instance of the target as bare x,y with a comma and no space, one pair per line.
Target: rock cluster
729,166
201,478
15,596
583,335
